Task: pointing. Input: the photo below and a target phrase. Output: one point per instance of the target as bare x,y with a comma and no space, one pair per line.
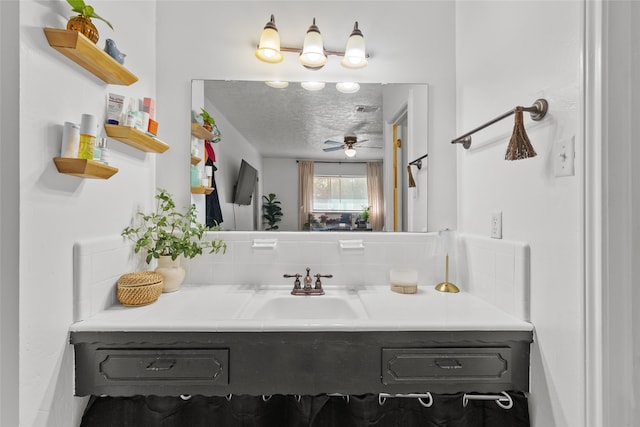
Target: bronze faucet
307,289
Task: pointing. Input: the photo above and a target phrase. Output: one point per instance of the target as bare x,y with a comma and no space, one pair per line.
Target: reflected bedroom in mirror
332,159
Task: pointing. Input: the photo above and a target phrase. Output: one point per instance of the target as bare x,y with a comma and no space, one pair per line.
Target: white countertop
218,308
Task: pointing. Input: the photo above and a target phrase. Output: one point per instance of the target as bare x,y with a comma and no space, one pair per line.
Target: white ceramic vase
172,272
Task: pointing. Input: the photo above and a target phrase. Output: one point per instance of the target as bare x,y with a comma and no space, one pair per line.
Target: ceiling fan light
269,46
312,85
354,54
277,84
347,87
350,152
313,55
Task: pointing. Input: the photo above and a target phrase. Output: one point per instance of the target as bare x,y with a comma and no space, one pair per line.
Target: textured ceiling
294,122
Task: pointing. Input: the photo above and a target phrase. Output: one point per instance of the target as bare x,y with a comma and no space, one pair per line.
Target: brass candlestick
446,286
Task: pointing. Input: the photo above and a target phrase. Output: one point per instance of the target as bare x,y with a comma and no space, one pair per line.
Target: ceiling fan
348,145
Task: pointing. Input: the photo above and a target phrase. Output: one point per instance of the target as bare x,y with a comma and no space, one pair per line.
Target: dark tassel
519,146
412,183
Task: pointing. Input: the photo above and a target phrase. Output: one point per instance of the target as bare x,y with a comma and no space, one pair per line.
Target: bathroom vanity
226,340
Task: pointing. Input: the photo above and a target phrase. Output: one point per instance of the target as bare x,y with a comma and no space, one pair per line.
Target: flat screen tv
245,184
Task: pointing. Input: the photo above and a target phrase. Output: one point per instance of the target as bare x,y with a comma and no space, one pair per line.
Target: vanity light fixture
354,55
347,87
313,54
269,46
277,84
312,86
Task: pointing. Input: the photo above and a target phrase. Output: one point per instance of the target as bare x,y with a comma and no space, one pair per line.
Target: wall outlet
496,225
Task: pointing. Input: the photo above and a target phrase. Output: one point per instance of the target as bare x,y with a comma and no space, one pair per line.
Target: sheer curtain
305,191
375,195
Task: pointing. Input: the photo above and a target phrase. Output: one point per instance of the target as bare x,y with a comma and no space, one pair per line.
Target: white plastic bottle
70,140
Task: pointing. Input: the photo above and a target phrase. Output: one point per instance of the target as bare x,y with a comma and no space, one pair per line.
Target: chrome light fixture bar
313,55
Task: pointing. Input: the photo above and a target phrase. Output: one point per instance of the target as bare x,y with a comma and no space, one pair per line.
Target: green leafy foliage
272,211
206,116
365,213
168,232
85,10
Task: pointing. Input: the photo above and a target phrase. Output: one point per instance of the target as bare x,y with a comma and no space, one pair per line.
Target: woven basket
139,288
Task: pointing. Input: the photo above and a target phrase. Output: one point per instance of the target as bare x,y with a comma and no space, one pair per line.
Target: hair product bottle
88,130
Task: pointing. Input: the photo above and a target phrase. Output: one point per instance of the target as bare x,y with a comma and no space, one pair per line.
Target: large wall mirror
359,145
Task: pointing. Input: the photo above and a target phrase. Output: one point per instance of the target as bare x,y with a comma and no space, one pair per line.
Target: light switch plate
496,225
564,155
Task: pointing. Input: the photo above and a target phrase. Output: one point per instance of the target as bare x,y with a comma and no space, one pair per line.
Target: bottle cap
88,125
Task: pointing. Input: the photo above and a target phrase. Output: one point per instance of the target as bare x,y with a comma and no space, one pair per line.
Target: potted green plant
272,211
364,216
82,22
312,222
168,235
207,119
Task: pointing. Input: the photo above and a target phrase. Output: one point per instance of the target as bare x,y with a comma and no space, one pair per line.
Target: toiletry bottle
70,140
88,130
97,150
105,154
195,176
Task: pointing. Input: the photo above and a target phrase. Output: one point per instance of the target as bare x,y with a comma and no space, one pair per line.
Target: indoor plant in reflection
209,123
272,211
82,22
364,216
168,235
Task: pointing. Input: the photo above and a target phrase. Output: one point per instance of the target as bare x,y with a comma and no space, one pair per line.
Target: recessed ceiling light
312,85
277,84
347,87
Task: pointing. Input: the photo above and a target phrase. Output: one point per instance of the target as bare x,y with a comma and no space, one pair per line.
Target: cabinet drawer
428,365
180,365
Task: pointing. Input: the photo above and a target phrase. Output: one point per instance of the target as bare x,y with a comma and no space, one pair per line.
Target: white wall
514,64
56,210
281,177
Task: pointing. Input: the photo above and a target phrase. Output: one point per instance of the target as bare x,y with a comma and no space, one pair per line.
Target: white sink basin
280,307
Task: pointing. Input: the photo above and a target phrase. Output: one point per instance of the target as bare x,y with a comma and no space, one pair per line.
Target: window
339,193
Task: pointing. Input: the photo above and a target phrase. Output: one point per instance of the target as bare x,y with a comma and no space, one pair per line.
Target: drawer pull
161,365
448,364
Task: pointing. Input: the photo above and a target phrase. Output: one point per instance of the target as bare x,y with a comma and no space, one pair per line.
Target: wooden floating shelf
88,55
201,190
84,168
195,160
135,138
201,133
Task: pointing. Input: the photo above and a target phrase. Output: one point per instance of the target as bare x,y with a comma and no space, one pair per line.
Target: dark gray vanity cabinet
303,363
